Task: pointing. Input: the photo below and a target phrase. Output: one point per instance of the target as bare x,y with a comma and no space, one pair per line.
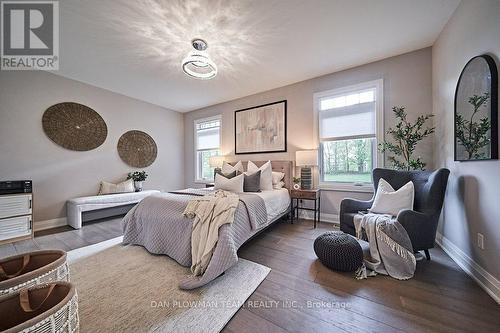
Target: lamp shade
306,158
216,161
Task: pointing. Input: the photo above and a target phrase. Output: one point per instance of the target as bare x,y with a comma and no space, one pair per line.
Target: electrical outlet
480,241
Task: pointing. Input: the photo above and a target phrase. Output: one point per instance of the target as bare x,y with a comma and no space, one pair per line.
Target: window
207,143
350,124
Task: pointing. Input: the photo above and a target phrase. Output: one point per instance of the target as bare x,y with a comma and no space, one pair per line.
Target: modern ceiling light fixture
198,64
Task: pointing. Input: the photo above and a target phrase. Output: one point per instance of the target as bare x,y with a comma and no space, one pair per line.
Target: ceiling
135,47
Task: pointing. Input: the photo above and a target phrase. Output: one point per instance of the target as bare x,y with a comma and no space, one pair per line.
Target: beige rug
126,289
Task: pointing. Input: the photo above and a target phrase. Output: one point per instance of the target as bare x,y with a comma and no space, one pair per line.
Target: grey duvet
157,224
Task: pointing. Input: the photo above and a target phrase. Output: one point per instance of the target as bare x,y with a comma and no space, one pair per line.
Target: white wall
59,174
407,81
473,194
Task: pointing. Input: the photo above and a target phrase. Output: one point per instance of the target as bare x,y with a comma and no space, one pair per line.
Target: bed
158,225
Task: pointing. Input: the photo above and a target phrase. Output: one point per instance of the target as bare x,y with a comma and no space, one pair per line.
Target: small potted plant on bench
138,177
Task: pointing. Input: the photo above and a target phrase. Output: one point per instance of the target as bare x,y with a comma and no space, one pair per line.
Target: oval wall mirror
476,111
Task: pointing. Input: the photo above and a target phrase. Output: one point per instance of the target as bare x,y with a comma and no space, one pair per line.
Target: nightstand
312,195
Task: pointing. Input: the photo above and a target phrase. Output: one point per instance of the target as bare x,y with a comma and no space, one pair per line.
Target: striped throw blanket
391,252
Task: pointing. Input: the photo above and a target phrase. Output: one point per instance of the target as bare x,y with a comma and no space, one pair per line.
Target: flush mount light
198,64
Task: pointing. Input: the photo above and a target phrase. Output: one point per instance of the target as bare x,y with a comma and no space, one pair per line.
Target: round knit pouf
339,251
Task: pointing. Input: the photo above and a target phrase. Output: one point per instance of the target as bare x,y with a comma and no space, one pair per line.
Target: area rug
126,289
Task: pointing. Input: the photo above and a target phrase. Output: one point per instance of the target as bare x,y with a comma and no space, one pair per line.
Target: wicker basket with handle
42,309
31,269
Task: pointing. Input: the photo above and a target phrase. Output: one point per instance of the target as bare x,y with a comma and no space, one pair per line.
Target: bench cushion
118,198
76,206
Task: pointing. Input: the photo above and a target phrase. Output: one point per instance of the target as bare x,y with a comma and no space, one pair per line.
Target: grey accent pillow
251,183
227,175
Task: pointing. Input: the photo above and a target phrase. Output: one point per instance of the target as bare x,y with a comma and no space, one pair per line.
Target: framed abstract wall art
476,111
260,129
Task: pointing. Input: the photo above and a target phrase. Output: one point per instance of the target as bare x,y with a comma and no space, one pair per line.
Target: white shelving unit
16,217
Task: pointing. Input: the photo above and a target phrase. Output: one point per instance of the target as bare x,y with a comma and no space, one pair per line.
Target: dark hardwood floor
301,295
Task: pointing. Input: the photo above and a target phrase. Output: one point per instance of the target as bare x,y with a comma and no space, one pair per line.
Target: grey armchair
421,222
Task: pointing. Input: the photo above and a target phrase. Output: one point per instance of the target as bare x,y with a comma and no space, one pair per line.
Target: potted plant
296,183
139,177
406,136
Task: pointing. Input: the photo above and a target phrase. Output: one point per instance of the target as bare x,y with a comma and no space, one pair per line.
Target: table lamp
216,163
306,159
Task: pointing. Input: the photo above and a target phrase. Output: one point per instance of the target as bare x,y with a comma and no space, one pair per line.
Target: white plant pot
138,186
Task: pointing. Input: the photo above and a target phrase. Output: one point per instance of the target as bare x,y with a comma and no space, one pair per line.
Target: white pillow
278,186
228,168
234,184
389,201
277,177
123,187
266,174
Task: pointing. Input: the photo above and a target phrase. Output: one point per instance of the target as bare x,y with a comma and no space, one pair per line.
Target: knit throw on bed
210,212
391,252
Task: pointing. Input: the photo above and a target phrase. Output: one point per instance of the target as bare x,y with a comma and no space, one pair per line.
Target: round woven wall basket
137,149
74,126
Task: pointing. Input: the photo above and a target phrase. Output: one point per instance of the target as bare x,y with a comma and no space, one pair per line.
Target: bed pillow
251,183
227,175
228,168
277,177
266,174
110,188
389,201
234,184
279,186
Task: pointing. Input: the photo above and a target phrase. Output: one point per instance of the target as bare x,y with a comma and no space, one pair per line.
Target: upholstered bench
75,207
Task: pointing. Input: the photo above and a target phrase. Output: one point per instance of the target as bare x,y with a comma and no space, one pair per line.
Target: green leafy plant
296,180
471,134
405,136
137,176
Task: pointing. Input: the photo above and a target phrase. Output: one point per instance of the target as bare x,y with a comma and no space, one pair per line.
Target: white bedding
276,201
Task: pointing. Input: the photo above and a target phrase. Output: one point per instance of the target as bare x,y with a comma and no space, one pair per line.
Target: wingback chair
421,222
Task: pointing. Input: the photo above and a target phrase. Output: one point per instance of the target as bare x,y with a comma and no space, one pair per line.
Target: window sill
346,187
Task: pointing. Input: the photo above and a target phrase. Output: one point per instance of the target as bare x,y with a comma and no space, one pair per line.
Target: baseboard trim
49,224
487,281
325,217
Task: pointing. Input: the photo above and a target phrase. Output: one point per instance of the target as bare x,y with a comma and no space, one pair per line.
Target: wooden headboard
279,166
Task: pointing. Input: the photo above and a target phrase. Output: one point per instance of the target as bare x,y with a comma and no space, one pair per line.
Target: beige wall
407,81
59,174
473,194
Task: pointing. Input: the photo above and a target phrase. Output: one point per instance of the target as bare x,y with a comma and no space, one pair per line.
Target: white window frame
379,135
196,164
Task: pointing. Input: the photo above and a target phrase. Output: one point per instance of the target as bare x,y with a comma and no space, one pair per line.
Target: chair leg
427,254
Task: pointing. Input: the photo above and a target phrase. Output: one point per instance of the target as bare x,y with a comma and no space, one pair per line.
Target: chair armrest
354,206
410,217
419,226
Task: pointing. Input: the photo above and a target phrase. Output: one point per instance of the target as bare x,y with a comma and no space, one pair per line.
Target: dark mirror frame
494,109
